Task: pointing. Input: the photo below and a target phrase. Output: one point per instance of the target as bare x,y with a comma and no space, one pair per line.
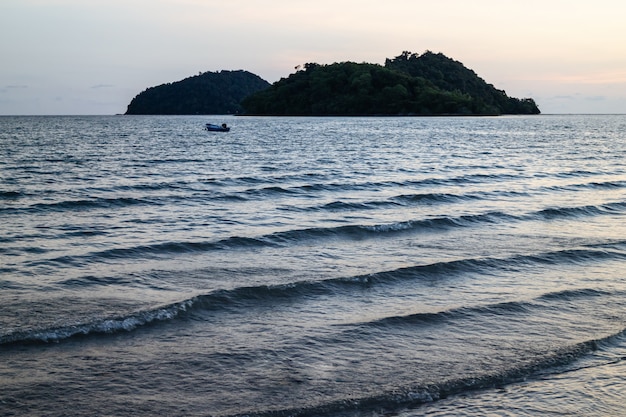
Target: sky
80,57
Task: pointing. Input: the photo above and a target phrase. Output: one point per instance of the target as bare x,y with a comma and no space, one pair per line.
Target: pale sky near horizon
94,56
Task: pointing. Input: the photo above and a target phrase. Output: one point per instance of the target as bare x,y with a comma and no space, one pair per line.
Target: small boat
217,128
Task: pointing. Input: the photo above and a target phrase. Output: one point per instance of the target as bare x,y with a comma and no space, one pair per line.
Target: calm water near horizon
313,266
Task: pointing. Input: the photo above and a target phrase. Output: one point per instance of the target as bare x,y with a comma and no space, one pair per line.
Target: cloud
590,78
8,88
579,97
98,86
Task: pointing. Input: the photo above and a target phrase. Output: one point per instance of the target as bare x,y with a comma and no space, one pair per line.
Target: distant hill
430,84
450,75
207,93
409,84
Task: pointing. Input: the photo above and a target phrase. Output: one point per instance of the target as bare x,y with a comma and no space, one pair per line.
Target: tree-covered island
409,84
206,93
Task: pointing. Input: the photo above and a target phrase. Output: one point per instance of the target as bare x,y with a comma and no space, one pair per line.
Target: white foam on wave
107,326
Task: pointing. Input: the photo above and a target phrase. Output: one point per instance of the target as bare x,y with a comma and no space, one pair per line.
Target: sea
342,267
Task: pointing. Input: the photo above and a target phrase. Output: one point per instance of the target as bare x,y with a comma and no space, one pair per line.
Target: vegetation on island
409,84
450,75
206,93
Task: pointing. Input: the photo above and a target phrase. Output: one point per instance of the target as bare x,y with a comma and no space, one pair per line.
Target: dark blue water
312,266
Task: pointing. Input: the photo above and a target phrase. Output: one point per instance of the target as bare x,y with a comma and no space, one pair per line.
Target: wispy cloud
8,88
97,86
609,77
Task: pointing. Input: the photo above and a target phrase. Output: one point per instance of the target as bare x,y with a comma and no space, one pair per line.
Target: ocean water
313,266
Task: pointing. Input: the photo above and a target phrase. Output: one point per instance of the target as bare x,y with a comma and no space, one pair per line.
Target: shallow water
312,266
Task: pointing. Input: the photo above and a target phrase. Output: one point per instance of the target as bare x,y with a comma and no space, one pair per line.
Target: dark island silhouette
430,84
207,93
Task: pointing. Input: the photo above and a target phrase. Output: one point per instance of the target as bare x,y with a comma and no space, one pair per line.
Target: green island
206,93
430,84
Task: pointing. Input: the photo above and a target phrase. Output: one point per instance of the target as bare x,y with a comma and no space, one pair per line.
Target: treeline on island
409,84
206,93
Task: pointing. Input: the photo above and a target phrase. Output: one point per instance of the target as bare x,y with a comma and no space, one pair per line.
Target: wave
11,195
581,211
348,232
246,298
405,200
397,201
592,185
324,185
578,173
285,238
400,200
516,308
151,162
276,185
578,256
411,395
156,250
185,193
574,294
157,186
91,281
9,285
338,206
110,203
564,212
609,185
103,326
270,191
80,205
271,294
